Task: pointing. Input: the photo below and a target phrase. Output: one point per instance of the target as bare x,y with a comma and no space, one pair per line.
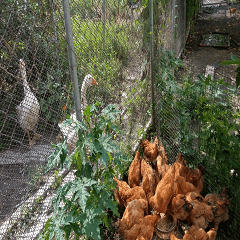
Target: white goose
69,131
28,109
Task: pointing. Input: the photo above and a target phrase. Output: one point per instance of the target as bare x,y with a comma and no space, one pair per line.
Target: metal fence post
152,63
184,24
72,60
173,25
55,33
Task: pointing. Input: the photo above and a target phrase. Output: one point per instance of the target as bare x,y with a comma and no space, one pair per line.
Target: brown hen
220,203
134,173
162,152
195,177
183,187
150,150
143,230
132,214
150,179
119,194
161,163
179,208
201,213
163,193
147,227
133,232
194,233
133,193
212,233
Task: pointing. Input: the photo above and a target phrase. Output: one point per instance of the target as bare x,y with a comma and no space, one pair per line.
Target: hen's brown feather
134,173
150,150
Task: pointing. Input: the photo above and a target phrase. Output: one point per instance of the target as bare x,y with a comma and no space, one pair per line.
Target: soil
214,18
21,174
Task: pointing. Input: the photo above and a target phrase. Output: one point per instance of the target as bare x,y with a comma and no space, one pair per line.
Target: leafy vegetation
234,61
82,206
199,118
192,10
102,49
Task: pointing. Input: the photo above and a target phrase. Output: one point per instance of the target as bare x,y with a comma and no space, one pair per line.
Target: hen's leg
31,142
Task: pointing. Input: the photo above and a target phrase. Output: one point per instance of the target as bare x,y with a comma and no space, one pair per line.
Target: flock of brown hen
157,192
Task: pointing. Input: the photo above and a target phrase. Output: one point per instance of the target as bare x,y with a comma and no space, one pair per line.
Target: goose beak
94,82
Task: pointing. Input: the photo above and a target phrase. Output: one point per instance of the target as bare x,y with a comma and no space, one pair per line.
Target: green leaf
67,229
87,115
229,62
93,229
108,202
71,217
79,191
234,58
78,160
90,221
238,77
58,155
93,108
110,111
79,126
104,157
76,228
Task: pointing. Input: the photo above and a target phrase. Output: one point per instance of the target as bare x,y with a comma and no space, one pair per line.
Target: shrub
86,201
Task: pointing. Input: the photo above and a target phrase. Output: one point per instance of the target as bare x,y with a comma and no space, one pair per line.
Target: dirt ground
21,174
214,18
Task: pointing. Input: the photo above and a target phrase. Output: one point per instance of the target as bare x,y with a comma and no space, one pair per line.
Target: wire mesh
34,87
109,46
181,135
36,91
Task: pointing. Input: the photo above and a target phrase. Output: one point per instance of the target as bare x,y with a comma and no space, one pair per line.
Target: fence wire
180,123
34,88
111,40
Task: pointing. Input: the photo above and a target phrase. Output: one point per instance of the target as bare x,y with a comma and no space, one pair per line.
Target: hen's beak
94,82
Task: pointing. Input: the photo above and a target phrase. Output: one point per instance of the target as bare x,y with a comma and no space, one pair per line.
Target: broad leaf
238,77
234,58
229,62
57,156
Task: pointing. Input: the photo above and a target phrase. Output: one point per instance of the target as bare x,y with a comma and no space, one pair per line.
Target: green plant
39,199
87,200
192,10
57,180
165,73
106,57
200,117
234,61
35,175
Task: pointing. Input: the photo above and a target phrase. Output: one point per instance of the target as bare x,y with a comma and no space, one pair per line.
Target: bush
88,199
201,119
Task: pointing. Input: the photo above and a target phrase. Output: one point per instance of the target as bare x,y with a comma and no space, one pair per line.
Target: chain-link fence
36,90
34,86
111,40
195,105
